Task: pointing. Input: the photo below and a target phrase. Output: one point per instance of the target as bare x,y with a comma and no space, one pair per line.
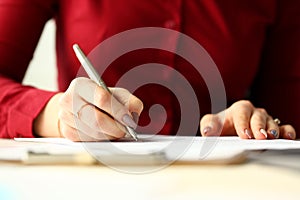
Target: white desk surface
245,181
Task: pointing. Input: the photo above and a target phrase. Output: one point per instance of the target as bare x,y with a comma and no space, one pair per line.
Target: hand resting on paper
246,121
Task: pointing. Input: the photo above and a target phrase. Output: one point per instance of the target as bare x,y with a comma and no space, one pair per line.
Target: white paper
174,148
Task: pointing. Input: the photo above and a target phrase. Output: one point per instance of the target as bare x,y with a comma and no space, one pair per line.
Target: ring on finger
277,121
77,113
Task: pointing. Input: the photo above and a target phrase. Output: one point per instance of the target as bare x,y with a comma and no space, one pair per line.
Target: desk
245,181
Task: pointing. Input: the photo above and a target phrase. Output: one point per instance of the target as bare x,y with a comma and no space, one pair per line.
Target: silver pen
92,73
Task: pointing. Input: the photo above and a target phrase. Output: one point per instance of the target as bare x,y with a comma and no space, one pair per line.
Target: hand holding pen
89,111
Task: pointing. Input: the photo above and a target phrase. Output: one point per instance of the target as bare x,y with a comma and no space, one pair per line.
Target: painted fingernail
247,133
135,117
129,121
264,132
206,130
274,133
291,136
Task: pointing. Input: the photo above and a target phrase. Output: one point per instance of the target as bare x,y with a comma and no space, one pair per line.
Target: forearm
19,106
21,24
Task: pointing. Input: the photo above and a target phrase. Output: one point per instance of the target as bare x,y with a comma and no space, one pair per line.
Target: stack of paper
149,150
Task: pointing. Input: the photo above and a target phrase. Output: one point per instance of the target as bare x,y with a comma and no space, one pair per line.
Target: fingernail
274,133
247,133
264,132
129,121
291,136
135,117
206,130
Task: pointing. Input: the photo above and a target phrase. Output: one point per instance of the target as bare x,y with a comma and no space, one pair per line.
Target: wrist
46,123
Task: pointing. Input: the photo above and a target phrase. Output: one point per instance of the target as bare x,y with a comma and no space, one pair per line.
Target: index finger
134,104
96,95
241,114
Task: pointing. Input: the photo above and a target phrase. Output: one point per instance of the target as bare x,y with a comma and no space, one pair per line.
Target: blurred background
43,75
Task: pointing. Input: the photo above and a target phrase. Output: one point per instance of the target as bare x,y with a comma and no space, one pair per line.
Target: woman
251,42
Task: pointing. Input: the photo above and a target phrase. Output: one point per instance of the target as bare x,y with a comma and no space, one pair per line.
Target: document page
170,148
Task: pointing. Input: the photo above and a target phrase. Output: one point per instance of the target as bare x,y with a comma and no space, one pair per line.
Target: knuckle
74,82
122,90
241,105
245,103
262,111
141,106
138,104
78,80
102,97
258,119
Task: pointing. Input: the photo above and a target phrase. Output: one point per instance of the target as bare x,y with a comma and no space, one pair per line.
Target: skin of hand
84,113
246,121
87,112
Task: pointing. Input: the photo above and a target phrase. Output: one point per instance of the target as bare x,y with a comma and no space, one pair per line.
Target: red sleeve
278,86
21,24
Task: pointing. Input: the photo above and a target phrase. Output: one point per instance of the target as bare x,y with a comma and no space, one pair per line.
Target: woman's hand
246,121
87,112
